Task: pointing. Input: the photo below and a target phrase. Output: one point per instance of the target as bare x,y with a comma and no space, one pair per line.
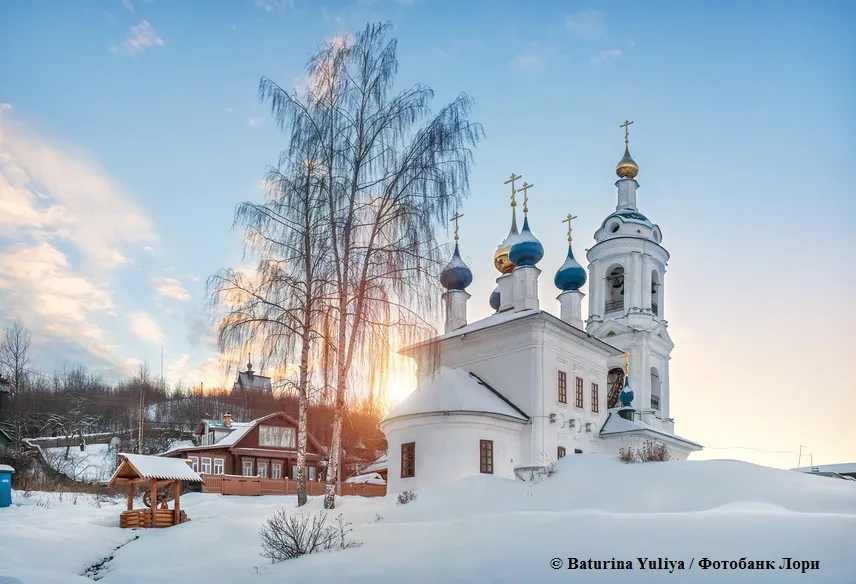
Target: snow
371,478
179,445
452,390
382,463
94,464
615,424
844,467
157,467
240,429
484,529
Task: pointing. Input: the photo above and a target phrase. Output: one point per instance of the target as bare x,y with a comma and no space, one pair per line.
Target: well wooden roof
140,466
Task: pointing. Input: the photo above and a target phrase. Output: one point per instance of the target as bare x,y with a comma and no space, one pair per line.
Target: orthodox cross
455,219
568,221
526,186
511,180
626,364
626,126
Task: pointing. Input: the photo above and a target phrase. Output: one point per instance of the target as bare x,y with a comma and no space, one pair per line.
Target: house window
311,473
408,460
276,470
579,392
276,436
212,437
262,470
595,406
218,466
486,456
248,468
206,465
194,463
562,452
563,387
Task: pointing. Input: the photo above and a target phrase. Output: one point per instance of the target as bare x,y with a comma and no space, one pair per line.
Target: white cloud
145,327
170,288
528,63
142,36
254,122
271,5
588,24
148,249
71,224
605,56
127,4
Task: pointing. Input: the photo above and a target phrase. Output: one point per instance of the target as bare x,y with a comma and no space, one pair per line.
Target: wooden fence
254,486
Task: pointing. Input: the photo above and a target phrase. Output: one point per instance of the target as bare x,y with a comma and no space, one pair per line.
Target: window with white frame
194,463
206,465
262,470
219,467
276,470
310,472
248,468
276,436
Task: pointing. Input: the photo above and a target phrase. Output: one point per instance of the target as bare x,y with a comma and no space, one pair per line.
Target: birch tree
282,304
15,353
394,171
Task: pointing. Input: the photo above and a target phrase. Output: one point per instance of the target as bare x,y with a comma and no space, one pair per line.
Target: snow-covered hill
483,529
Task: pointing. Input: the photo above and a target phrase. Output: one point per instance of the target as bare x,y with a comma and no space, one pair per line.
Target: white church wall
447,448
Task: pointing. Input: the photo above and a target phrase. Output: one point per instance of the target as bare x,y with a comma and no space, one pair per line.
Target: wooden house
266,447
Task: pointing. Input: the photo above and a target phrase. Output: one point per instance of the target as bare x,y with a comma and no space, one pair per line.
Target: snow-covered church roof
455,390
615,424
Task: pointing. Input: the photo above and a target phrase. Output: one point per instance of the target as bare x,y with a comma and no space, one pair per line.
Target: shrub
406,497
650,452
285,537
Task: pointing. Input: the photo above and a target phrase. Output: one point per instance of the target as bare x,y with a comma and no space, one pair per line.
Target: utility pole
800,456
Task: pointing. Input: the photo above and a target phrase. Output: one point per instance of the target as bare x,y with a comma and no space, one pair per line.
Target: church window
595,406
486,456
656,386
563,387
655,293
577,451
579,392
562,452
408,460
615,289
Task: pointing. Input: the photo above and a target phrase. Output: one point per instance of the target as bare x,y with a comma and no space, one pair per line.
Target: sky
130,129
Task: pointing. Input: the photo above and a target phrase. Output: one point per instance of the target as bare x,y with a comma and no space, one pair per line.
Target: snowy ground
96,463
483,529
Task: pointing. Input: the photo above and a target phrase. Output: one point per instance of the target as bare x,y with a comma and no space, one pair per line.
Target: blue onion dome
494,299
526,249
571,275
626,395
456,275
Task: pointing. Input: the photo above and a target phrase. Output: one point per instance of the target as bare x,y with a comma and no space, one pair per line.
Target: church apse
614,289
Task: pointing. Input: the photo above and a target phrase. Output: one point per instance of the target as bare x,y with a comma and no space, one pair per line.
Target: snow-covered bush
285,537
405,497
650,452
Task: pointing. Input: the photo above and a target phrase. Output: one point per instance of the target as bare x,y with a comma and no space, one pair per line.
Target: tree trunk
302,421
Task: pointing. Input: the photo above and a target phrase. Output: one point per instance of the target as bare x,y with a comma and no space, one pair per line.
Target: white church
521,388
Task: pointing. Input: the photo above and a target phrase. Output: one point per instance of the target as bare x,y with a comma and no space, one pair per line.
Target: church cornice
448,419
621,243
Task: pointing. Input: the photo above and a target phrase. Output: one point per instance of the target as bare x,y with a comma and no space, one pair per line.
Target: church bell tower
626,267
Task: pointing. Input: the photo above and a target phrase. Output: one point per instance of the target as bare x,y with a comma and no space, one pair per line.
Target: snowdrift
483,529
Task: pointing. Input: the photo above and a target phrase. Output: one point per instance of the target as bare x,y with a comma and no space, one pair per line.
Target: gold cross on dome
511,180
526,186
455,219
626,364
626,126
568,221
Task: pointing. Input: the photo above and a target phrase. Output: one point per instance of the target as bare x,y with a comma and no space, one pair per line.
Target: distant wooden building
250,381
266,447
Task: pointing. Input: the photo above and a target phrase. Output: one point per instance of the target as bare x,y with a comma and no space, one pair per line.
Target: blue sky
131,129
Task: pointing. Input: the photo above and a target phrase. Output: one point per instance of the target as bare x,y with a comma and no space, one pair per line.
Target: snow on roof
239,430
179,445
158,467
369,478
247,380
453,390
615,424
382,463
840,468
492,320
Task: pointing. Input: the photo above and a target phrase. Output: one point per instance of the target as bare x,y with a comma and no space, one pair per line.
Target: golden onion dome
500,258
627,167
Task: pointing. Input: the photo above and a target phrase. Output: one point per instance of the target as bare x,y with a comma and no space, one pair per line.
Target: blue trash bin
6,485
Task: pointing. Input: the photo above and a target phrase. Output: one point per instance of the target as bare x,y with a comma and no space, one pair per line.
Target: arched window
614,381
655,389
614,289
655,292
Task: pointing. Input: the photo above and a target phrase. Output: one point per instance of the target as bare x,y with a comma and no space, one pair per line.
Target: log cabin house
265,447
